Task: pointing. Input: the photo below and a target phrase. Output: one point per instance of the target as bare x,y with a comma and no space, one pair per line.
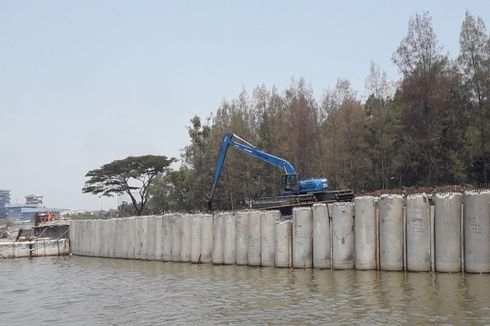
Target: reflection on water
88,291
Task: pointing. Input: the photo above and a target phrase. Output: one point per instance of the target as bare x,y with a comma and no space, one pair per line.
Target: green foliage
474,61
132,176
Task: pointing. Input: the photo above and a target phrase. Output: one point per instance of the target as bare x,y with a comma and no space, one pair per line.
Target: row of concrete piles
395,233
390,232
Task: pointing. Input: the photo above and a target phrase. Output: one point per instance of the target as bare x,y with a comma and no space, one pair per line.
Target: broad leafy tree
132,176
474,59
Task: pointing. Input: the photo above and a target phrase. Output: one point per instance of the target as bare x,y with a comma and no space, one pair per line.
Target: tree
377,84
131,175
195,172
173,192
331,126
424,97
419,51
302,129
474,59
383,134
383,138
272,116
428,129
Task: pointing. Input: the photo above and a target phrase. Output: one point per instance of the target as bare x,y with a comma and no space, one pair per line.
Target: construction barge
49,236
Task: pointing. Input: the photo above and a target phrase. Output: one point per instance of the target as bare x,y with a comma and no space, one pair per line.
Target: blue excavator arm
247,148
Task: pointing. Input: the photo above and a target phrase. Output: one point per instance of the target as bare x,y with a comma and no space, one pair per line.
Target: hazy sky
85,82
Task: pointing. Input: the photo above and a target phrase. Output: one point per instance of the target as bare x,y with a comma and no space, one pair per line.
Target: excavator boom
294,190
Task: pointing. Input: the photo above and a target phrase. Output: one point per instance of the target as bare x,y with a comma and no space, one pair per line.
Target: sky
83,83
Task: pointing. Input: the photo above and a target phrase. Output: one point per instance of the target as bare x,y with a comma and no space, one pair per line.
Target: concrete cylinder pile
391,237
229,239
418,233
283,252
321,236
167,231
218,239
268,220
390,232
186,237
196,238
254,242
158,238
302,237
447,224
139,236
206,238
343,236
476,226
365,231
242,233
132,237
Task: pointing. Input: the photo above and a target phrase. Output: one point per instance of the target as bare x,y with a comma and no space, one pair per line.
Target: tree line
430,128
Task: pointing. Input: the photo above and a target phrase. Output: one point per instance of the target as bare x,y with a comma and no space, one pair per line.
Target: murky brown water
94,291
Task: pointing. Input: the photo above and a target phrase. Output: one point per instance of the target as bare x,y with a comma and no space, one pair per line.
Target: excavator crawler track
286,203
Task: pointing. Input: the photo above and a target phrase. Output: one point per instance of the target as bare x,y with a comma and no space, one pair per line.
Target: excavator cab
290,183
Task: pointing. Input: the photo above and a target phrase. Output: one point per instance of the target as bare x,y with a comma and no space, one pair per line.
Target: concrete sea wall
448,232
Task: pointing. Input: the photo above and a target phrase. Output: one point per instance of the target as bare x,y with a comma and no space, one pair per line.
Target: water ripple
95,291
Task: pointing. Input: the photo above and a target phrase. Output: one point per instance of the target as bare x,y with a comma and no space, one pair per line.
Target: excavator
294,192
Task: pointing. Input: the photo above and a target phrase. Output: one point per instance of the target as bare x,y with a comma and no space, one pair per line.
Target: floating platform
35,248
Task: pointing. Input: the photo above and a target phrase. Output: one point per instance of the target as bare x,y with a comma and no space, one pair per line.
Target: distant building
27,211
22,211
34,200
4,200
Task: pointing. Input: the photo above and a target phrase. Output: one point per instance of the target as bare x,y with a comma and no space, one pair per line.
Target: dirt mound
418,190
